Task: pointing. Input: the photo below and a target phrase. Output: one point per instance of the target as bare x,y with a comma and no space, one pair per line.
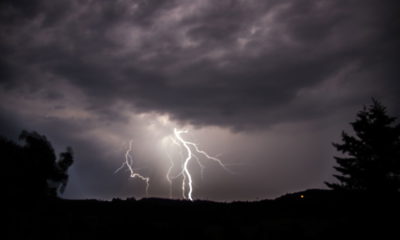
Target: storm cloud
242,66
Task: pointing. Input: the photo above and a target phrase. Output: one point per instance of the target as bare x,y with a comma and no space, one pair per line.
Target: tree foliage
371,158
31,170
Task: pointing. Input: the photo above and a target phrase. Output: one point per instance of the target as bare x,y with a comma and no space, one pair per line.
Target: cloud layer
230,63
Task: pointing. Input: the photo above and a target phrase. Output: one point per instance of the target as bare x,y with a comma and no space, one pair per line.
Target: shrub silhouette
30,170
372,156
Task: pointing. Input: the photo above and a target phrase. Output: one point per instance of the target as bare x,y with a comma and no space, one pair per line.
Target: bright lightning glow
209,157
185,164
191,153
187,151
128,163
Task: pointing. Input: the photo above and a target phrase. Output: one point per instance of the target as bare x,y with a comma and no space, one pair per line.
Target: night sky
266,86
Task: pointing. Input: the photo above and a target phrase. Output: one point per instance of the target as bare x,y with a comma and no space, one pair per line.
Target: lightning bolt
186,173
209,157
129,163
191,149
187,151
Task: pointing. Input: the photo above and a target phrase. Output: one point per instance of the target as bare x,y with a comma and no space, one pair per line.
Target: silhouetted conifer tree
371,160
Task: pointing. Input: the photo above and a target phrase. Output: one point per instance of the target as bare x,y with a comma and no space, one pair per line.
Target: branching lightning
129,163
186,172
191,150
187,151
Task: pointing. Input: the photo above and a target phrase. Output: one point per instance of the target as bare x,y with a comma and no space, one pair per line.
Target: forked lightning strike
128,163
191,153
186,173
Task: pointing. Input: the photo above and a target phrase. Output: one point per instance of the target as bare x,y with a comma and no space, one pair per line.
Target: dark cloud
228,63
235,64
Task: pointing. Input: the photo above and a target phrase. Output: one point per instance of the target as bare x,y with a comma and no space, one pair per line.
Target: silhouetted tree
371,159
31,170
59,176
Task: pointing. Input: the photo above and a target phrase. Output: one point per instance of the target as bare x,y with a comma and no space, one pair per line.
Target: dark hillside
313,214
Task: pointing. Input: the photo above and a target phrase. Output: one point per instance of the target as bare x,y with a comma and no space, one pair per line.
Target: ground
312,214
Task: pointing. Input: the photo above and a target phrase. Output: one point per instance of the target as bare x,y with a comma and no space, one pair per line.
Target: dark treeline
313,214
30,169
